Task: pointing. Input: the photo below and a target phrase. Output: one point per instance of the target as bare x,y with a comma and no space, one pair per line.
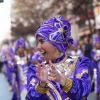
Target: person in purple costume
36,59
62,77
9,56
22,67
12,70
76,51
95,63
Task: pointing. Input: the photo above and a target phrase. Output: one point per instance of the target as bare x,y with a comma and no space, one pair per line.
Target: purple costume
77,52
22,66
9,57
95,63
37,56
31,69
57,32
11,68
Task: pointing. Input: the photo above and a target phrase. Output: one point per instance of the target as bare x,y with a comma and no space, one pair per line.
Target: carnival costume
57,31
77,52
95,53
22,66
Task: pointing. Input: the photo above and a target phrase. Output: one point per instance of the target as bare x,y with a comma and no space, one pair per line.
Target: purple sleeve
92,54
13,66
95,56
81,85
32,80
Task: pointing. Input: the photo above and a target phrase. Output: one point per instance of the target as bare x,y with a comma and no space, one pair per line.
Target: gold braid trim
79,75
54,90
40,89
68,85
50,96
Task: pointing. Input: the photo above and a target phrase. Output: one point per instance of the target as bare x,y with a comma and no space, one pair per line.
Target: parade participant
32,52
10,69
76,51
63,77
95,63
8,57
13,71
22,64
35,60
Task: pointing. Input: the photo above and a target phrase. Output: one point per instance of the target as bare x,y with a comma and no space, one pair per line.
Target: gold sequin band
68,85
79,75
40,89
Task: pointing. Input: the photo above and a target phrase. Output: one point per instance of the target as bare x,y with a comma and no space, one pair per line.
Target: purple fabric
8,74
57,31
95,63
80,87
96,39
24,72
8,52
8,58
38,57
35,56
22,69
75,43
94,54
20,42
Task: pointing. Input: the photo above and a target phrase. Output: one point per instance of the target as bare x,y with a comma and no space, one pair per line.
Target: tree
84,9
27,15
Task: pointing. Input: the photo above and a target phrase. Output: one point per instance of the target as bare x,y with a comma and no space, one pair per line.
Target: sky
5,19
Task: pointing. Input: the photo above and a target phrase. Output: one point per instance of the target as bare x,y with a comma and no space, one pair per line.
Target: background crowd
11,58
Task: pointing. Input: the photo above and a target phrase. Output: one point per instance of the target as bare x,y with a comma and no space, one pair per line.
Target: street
5,94
91,96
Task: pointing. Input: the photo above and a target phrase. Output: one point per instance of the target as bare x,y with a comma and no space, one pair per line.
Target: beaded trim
65,67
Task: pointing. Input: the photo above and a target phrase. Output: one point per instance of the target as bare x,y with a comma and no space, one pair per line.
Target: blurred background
21,18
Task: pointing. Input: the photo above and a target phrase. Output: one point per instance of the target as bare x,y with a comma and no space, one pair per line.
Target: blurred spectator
88,47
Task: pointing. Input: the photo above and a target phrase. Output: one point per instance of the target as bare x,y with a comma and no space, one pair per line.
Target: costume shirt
22,67
75,68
